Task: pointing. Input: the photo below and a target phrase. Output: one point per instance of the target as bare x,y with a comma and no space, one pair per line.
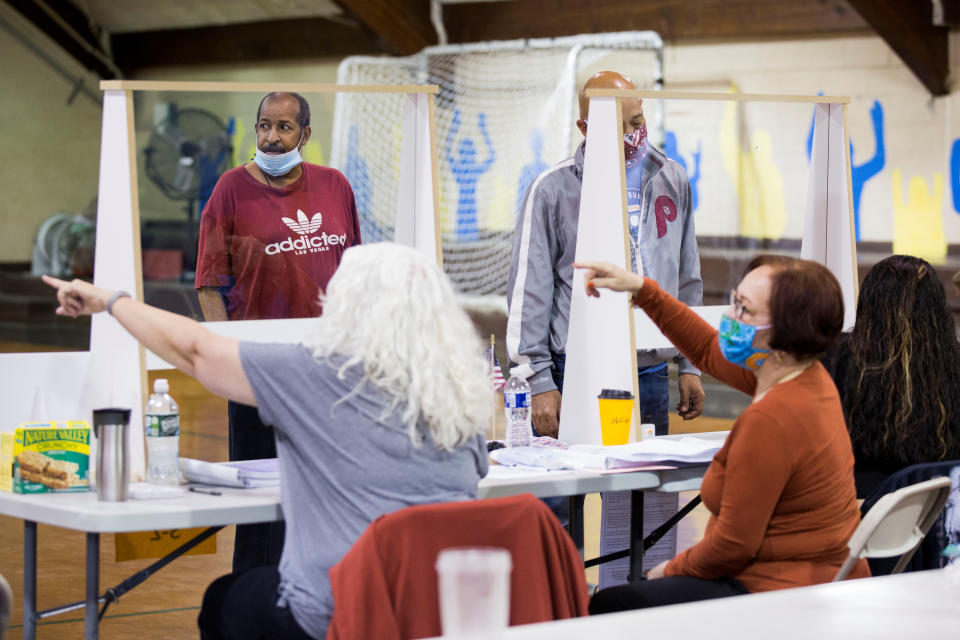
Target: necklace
789,375
265,177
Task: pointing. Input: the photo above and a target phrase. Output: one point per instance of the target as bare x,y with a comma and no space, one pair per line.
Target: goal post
505,111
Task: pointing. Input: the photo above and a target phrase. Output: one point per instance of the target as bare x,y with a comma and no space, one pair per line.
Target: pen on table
210,492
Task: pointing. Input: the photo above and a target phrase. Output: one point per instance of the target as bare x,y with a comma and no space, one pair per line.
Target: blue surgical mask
736,343
278,164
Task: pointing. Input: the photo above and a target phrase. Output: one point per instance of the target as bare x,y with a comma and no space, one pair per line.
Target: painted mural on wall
756,177
754,161
746,174
467,168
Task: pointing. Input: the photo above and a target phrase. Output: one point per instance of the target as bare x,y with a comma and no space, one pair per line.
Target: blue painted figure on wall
533,168
672,150
466,171
859,174
955,174
359,178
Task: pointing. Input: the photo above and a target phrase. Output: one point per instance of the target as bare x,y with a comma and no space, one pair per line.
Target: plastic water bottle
516,404
162,419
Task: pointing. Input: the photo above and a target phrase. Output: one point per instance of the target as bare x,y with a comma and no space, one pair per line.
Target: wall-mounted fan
186,154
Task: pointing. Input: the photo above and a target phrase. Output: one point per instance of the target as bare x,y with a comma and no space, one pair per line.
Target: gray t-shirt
341,467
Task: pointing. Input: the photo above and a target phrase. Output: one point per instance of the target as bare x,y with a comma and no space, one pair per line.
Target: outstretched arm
604,275
213,360
690,333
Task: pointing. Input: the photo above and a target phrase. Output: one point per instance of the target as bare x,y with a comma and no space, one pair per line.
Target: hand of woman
657,571
609,276
78,297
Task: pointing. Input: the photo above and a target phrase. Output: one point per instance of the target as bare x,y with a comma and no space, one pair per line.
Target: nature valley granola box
43,457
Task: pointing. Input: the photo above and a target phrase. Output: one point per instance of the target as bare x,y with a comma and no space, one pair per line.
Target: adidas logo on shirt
306,243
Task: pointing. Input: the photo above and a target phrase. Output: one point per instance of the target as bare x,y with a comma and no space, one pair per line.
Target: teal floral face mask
736,343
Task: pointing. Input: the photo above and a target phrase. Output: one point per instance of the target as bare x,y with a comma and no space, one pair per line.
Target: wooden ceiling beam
72,29
403,25
907,26
298,38
674,20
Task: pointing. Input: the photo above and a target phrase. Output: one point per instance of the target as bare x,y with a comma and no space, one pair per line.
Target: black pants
255,545
656,593
867,480
243,606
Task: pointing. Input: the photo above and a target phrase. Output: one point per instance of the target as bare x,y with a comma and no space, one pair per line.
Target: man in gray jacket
541,275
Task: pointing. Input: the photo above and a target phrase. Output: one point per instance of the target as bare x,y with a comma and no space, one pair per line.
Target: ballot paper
542,458
520,472
660,451
246,474
615,532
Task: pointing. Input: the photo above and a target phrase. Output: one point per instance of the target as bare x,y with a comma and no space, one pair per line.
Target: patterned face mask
736,343
635,141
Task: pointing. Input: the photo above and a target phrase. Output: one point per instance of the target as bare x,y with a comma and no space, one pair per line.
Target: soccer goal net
505,112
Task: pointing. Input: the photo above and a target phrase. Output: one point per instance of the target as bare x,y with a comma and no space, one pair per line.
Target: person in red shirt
271,236
780,492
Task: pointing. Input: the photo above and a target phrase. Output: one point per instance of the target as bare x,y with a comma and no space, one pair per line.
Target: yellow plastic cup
616,414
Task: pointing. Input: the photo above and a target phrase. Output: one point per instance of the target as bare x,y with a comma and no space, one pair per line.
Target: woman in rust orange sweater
780,492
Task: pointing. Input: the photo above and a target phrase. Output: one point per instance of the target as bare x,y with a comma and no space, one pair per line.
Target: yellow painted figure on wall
918,222
755,176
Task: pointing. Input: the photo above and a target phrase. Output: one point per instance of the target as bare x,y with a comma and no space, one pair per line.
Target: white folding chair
897,524
6,604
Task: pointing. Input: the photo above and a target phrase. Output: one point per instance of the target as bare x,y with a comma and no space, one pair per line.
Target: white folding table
923,604
83,512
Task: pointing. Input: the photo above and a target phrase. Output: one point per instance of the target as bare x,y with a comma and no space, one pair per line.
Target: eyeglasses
738,308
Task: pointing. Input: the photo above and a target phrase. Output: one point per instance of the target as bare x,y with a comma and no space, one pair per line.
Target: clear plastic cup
474,588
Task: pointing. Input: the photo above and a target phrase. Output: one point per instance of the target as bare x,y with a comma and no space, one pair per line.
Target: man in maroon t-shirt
271,236
274,229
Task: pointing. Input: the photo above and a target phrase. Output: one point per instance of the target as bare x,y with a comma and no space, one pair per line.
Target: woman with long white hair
382,408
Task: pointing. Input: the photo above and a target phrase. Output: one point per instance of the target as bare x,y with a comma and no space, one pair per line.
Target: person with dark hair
897,372
303,111
271,236
780,492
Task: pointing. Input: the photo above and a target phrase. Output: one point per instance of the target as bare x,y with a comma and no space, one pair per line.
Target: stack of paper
535,457
244,474
655,451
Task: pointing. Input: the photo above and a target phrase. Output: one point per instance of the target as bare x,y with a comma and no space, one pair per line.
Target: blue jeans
654,392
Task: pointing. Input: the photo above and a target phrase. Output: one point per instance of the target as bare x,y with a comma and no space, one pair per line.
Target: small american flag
496,374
